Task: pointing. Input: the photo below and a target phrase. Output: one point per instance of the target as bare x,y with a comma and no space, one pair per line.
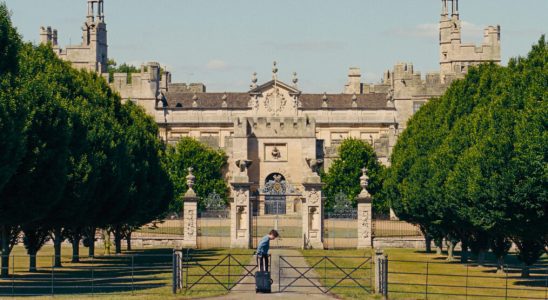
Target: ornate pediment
275,98
274,84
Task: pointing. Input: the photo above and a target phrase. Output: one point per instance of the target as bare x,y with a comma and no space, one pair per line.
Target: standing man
262,250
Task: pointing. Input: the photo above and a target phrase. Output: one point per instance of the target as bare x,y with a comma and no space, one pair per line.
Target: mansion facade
282,131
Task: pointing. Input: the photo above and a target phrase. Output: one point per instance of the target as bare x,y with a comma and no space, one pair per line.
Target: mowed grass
138,274
408,269
354,265
211,272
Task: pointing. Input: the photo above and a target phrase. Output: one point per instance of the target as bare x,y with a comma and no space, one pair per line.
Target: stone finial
253,80
324,100
295,79
314,164
354,100
190,180
224,98
195,100
274,70
243,164
364,183
390,98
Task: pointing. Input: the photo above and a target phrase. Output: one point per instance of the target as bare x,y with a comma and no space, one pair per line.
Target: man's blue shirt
264,245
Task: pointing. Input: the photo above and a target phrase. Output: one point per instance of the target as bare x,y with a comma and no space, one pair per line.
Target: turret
45,35
354,85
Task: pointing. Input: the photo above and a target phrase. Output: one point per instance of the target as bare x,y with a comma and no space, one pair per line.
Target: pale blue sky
221,42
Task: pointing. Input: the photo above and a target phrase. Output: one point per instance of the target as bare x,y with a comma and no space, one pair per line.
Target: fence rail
138,274
326,273
436,280
227,272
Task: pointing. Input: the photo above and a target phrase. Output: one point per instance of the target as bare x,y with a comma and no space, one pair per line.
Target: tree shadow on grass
137,271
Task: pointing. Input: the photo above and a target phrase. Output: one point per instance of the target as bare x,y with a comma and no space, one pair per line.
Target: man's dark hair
274,233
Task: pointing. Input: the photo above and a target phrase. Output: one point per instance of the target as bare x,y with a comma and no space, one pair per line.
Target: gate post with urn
365,213
312,208
190,213
240,208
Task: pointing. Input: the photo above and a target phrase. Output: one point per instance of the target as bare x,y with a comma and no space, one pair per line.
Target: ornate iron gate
275,205
341,216
213,222
275,191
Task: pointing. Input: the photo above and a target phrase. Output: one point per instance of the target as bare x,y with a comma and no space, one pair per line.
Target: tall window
417,105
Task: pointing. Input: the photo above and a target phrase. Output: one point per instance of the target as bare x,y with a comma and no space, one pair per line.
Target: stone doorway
277,199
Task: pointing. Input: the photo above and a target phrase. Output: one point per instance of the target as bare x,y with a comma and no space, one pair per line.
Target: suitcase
263,282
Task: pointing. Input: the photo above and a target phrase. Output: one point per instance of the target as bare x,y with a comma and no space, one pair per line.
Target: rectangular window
417,105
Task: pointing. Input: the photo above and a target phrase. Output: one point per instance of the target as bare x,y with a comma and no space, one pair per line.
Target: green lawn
112,277
446,280
222,269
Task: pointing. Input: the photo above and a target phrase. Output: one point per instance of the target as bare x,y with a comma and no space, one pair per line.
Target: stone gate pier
313,211
241,210
365,213
190,213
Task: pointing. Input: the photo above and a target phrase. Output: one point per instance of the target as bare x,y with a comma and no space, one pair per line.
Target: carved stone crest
276,154
275,101
314,196
240,196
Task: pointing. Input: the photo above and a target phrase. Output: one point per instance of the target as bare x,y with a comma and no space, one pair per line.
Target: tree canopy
208,164
73,156
345,172
472,164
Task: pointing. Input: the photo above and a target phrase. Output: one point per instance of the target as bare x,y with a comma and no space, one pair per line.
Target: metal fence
326,274
136,274
394,228
223,273
341,230
440,280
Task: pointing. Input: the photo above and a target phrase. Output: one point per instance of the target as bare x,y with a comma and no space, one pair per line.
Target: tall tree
344,174
14,117
208,164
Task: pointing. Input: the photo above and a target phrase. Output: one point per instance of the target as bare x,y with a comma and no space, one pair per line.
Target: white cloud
216,64
308,46
470,31
420,31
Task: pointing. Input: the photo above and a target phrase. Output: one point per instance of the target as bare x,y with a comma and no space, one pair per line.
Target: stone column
365,212
190,213
241,210
312,212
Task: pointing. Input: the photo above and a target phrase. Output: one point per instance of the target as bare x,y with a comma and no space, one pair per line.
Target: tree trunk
481,258
5,251
32,262
500,265
439,246
428,241
128,240
75,248
525,272
57,240
464,252
118,240
450,250
91,237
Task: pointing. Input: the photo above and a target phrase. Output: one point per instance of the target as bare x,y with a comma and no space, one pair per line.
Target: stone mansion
282,131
